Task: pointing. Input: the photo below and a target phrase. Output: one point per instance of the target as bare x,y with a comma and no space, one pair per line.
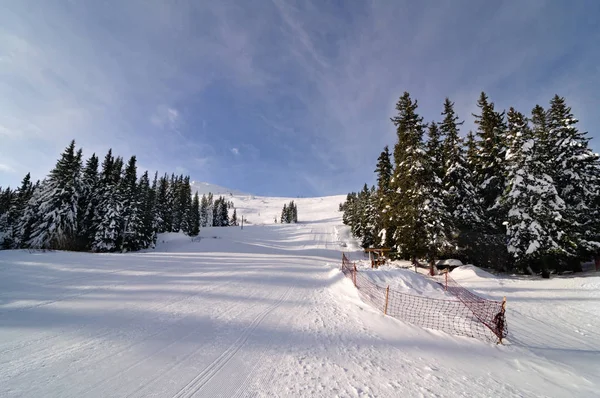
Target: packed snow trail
264,311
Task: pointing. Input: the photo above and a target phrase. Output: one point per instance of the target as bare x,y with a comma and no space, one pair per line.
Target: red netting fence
464,315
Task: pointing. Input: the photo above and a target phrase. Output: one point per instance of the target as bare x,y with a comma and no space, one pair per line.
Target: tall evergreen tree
147,202
204,211
30,217
490,161
88,203
284,214
132,232
224,213
7,201
194,216
472,158
434,213
461,199
576,176
12,207
294,213
210,209
108,219
57,227
185,194
163,210
367,220
384,171
384,225
233,222
408,196
434,150
534,206
348,209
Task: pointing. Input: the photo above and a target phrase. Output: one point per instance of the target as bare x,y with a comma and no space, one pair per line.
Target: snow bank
405,281
468,272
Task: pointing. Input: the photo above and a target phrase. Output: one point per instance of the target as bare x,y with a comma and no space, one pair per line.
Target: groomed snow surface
265,311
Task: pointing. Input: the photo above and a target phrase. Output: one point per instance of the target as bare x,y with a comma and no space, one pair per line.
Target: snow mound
405,281
468,272
450,261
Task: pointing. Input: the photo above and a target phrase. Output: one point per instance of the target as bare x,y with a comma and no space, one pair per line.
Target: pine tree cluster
520,193
79,207
289,213
215,212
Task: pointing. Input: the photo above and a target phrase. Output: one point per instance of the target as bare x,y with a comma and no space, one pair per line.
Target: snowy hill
204,188
264,311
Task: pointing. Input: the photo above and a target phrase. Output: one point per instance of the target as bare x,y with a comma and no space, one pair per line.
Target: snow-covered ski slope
264,311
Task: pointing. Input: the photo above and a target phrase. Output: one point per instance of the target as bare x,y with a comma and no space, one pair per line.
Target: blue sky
274,97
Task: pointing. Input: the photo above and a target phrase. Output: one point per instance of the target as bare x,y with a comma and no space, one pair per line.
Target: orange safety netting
465,315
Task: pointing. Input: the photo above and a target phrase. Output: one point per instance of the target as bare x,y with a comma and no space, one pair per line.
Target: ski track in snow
264,312
46,339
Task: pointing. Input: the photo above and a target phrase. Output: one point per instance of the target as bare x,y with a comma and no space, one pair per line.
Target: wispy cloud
165,117
235,151
6,168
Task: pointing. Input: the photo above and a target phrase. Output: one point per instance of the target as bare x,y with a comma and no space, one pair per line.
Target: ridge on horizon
205,187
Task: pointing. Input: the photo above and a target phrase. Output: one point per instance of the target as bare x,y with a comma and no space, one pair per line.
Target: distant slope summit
205,188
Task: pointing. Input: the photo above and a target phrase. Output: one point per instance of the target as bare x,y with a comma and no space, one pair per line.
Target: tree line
522,192
103,208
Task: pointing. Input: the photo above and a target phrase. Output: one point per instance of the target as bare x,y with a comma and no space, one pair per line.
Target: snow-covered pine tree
88,202
216,211
369,218
284,214
348,209
204,212
224,213
434,150
170,218
6,196
210,210
384,170
461,199
176,203
490,161
233,222
163,210
132,234
295,213
57,228
575,171
472,160
534,208
12,208
434,212
220,213
7,226
29,217
5,199
362,228
384,227
147,203
185,204
108,219
194,216
409,181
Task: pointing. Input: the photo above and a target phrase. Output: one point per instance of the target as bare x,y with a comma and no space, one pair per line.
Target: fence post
387,293
446,287
501,328
354,275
